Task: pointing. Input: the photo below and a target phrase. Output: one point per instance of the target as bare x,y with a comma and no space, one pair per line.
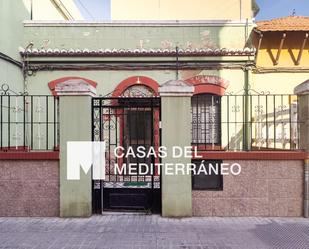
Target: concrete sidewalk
116,231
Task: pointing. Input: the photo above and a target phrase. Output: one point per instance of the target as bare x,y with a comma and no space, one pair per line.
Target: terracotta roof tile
289,23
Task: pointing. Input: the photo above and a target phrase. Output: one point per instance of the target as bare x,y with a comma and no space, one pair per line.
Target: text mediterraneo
141,161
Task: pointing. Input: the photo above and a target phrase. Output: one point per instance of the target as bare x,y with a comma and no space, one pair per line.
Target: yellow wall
289,53
278,83
285,76
181,9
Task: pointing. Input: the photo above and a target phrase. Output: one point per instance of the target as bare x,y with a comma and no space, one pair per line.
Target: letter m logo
84,155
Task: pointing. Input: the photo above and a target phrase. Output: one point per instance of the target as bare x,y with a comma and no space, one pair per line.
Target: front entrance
132,124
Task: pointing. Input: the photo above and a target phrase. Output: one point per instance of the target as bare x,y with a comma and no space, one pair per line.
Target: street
117,231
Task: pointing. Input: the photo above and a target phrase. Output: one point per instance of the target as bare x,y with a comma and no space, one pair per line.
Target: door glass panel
138,132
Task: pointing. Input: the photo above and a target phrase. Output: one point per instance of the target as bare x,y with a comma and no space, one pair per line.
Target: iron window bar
29,123
273,122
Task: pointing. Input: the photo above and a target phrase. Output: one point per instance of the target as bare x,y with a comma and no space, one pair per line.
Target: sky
95,9
100,9
276,8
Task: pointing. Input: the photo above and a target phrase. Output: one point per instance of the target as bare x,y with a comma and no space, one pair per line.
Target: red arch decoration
136,80
52,85
208,84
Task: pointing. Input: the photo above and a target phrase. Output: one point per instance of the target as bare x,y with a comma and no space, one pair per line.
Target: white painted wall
46,10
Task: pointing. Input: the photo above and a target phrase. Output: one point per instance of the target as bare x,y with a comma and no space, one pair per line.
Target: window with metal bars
206,120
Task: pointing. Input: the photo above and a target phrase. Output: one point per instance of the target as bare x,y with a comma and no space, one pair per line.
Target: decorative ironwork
5,90
129,122
137,91
235,108
206,120
248,91
29,122
254,122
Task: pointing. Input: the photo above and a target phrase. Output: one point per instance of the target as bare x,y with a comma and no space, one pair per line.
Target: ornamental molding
75,87
208,79
176,88
56,52
138,91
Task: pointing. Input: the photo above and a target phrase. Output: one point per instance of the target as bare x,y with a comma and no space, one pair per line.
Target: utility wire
10,60
84,7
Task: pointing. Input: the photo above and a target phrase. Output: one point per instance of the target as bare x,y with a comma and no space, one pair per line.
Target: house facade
151,83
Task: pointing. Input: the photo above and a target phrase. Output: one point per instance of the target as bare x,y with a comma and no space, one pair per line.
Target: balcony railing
245,122
29,123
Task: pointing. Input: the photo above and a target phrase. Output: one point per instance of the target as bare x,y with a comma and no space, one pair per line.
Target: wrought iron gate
130,123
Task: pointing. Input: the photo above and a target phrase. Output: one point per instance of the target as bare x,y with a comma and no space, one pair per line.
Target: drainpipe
31,10
240,9
246,127
247,31
25,66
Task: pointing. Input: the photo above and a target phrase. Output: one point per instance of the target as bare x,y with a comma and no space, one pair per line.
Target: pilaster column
176,131
75,125
302,92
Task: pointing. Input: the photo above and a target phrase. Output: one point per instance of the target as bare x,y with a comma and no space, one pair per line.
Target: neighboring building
282,53
55,10
183,10
142,83
281,58
12,15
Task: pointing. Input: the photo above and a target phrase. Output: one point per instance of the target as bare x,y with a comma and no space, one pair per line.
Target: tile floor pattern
128,231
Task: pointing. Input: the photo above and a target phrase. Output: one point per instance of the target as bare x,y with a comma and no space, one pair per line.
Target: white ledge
150,23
